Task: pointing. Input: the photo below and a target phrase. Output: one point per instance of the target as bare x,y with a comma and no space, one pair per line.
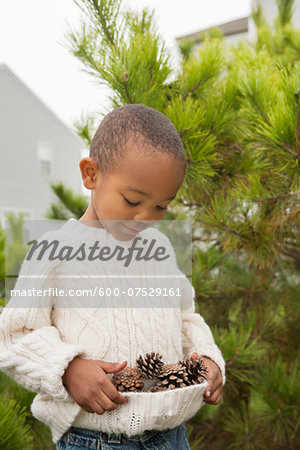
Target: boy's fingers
87,408
105,402
214,397
207,392
110,367
113,394
211,400
195,355
98,408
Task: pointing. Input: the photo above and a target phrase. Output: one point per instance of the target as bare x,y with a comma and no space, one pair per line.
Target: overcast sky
32,32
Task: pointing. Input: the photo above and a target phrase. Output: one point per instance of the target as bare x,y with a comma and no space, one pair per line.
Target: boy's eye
130,203
136,204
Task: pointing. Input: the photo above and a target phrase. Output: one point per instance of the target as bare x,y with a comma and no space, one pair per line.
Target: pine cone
129,379
173,376
158,387
196,370
150,365
152,375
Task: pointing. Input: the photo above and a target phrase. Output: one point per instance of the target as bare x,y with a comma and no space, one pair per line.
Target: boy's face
116,204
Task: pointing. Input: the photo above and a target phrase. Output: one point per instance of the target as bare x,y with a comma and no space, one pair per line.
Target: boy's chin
125,233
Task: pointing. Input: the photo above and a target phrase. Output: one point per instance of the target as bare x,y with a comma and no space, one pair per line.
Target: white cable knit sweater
37,343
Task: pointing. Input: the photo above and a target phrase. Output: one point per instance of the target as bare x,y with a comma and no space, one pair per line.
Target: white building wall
35,149
235,38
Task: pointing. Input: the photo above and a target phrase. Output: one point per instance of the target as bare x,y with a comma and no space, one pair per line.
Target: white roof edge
225,26
35,97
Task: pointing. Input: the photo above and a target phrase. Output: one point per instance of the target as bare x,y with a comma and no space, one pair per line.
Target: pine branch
194,238
257,16
285,11
103,22
185,47
188,147
191,90
295,254
85,128
295,46
229,230
127,93
103,13
277,197
72,203
261,111
286,146
231,362
179,200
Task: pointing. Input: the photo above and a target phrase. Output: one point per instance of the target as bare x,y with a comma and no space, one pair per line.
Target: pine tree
237,111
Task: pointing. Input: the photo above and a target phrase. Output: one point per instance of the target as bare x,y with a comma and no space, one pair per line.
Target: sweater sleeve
196,334
31,349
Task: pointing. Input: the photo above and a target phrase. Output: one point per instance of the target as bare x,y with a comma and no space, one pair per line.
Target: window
45,158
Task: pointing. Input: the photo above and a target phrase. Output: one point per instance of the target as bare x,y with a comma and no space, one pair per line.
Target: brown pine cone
173,376
158,387
196,370
129,379
150,365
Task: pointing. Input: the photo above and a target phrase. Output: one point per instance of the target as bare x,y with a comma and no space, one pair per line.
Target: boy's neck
90,215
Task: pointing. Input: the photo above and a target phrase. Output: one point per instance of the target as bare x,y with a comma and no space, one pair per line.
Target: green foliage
39,434
85,128
213,33
196,438
14,433
243,431
275,399
285,10
15,250
69,204
283,41
185,47
15,398
241,350
101,46
200,73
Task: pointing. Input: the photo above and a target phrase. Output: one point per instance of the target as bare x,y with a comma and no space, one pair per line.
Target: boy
135,168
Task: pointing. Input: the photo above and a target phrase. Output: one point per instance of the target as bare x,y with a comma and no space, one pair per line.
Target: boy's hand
213,392
88,384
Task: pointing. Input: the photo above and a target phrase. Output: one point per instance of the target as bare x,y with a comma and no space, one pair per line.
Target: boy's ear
89,170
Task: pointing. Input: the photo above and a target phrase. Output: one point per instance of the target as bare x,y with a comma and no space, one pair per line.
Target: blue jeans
169,439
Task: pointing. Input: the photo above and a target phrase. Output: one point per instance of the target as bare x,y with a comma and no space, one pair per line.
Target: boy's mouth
135,230
130,230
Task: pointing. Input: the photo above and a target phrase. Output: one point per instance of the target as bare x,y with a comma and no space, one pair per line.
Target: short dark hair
147,127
